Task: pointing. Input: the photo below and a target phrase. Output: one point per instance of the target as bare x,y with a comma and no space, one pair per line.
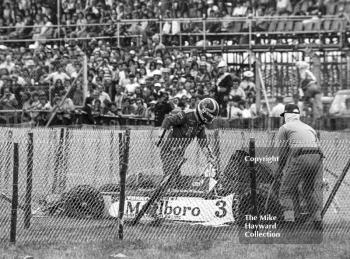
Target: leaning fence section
75,175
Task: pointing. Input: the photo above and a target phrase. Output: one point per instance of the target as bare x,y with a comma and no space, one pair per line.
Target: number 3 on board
222,209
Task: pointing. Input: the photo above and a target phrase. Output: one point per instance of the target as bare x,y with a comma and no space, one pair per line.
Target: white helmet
207,110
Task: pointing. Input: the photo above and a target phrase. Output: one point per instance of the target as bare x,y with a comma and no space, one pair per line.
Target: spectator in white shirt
247,83
246,111
284,6
233,110
132,85
240,9
236,89
8,64
60,74
102,95
278,108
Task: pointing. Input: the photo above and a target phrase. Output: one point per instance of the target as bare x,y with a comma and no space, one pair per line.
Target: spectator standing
247,83
192,105
102,95
236,89
18,33
131,86
127,108
223,87
299,103
8,64
140,111
97,107
284,7
119,96
162,108
233,110
150,110
278,108
58,75
246,111
87,117
8,99
311,90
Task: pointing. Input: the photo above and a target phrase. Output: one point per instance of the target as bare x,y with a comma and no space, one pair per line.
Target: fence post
217,148
257,86
118,33
204,32
111,155
57,166
65,157
124,160
252,177
28,198
14,206
160,29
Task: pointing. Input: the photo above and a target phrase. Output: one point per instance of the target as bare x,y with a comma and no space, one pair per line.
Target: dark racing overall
184,127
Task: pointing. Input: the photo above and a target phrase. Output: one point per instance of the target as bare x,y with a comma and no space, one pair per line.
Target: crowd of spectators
77,14
145,82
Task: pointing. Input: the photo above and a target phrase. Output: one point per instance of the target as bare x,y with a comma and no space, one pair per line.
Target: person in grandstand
311,90
278,108
300,163
247,83
236,89
184,126
223,87
162,108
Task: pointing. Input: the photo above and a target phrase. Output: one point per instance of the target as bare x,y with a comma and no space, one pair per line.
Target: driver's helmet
207,110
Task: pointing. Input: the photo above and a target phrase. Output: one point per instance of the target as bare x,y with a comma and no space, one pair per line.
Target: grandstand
106,62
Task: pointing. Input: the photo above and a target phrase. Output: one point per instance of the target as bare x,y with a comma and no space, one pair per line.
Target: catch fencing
73,177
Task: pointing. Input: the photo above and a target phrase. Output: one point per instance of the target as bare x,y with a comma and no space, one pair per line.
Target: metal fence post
160,29
118,33
28,197
204,32
252,176
14,206
217,148
58,163
124,160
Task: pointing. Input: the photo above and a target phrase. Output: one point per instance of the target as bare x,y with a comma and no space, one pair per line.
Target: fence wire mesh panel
75,194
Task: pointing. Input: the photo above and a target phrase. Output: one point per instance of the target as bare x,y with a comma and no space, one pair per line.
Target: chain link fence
75,184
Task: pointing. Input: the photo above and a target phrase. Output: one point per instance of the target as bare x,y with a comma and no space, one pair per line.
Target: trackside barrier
76,186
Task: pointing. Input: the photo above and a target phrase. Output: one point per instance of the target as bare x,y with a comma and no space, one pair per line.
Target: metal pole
28,206
118,33
124,159
160,30
258,87
217,148
85,75
14,195
252,177
204,32
58,163
250,17
59,18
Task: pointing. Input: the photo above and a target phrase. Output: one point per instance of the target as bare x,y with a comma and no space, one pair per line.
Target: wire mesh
75,189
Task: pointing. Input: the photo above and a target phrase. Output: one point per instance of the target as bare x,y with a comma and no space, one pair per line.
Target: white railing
339,26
